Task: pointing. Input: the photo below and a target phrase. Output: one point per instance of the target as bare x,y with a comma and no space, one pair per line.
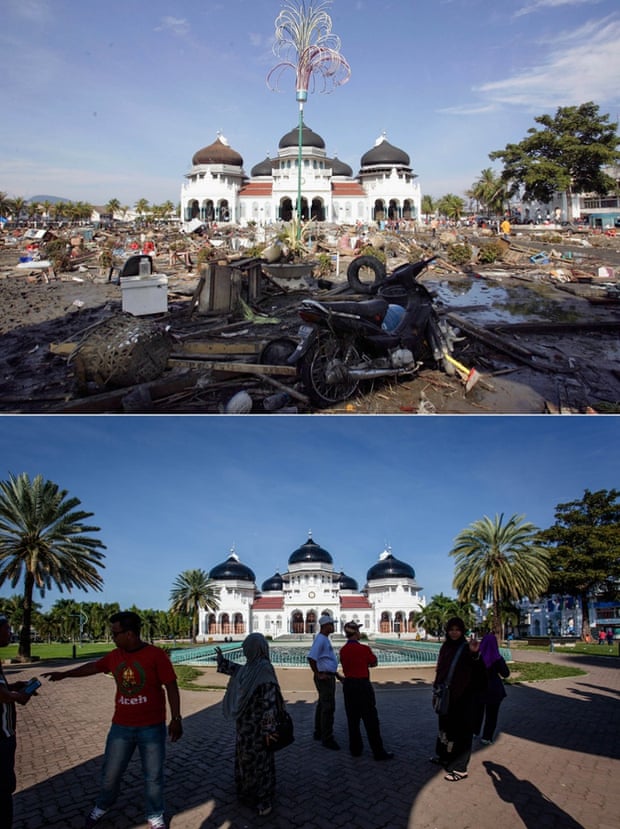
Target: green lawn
534,671
56,650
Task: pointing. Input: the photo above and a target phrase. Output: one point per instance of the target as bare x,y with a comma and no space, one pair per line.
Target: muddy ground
569,363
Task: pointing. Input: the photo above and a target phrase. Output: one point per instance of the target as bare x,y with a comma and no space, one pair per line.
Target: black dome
347,583
310,552
232,570
274,583
339,168
385,154
390,567
308,139
263,168
218,153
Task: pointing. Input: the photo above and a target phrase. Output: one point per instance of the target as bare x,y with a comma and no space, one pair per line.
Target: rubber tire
313,367
353,271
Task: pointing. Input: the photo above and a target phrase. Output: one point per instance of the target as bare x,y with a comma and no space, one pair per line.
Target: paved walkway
555,764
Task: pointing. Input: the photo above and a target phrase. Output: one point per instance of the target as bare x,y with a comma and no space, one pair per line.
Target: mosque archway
318,210
223,211
409,210
207,212
225,626
192,210
378,210
297,622
238,624
385,623
311,625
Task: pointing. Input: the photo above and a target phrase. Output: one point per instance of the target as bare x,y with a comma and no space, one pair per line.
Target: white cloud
473,109
538,5
34,11
177,25
581,65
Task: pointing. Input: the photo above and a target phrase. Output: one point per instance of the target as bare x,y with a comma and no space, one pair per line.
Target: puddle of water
495,304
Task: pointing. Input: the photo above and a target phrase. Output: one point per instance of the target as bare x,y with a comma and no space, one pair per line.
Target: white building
216,188
291,603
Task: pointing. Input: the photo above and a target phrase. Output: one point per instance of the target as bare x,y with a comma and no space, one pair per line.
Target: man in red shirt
141,672
359,697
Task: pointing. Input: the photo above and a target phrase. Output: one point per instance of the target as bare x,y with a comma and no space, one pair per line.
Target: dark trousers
489,712
456,731
325,708
7,780
360,706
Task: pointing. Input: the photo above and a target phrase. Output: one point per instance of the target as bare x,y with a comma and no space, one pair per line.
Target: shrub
369,250
459,254
490,253
58,252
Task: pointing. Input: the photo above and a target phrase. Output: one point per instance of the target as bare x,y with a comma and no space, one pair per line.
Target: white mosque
290,604
216,188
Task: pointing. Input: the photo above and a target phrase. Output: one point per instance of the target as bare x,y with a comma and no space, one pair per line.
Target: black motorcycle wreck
392,334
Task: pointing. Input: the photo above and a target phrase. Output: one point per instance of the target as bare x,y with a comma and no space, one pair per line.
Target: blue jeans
120,745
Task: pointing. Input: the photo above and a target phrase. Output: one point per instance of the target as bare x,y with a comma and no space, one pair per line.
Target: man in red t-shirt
359,697
141,672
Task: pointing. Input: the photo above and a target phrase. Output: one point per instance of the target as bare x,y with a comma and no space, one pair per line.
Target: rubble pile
68,346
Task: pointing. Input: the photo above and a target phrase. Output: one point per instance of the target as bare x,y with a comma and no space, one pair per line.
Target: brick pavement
555,764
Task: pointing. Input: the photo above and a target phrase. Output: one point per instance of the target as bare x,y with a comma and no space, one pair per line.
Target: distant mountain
50,199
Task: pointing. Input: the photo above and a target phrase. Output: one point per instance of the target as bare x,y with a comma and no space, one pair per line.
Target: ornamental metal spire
306,44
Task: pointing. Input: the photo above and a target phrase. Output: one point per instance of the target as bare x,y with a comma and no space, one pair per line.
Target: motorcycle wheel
364,272
323,371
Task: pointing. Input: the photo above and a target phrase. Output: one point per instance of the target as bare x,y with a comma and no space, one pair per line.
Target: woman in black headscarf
456,728
251,700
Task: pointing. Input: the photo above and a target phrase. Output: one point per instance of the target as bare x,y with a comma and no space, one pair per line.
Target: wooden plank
62,349
112,401
234,368
197,348
529,356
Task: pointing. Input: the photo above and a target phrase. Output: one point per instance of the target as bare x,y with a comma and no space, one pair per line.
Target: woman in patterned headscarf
251,700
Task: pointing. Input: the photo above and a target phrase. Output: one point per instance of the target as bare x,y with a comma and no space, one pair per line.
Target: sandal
455,776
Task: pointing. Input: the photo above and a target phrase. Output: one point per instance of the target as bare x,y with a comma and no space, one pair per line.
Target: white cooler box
145,294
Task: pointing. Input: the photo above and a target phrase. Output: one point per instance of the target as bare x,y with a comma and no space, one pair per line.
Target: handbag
285,733
441,692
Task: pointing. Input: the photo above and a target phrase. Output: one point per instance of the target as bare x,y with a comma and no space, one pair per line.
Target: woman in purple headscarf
489,701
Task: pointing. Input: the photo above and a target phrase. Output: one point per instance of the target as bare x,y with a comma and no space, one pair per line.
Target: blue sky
111,100
174,493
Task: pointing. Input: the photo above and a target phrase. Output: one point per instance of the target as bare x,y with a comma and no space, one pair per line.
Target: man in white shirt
324,664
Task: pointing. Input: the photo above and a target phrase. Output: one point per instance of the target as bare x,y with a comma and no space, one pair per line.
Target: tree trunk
569,204
24,634
497,619
585,619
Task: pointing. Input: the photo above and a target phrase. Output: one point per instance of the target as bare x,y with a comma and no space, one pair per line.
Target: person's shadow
533,807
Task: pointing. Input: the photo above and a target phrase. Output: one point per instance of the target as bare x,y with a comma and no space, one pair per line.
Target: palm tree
12,608
498,562
192,590
43,538
434,616
427,206
141,208
113,207
17,206
451,206
490,191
